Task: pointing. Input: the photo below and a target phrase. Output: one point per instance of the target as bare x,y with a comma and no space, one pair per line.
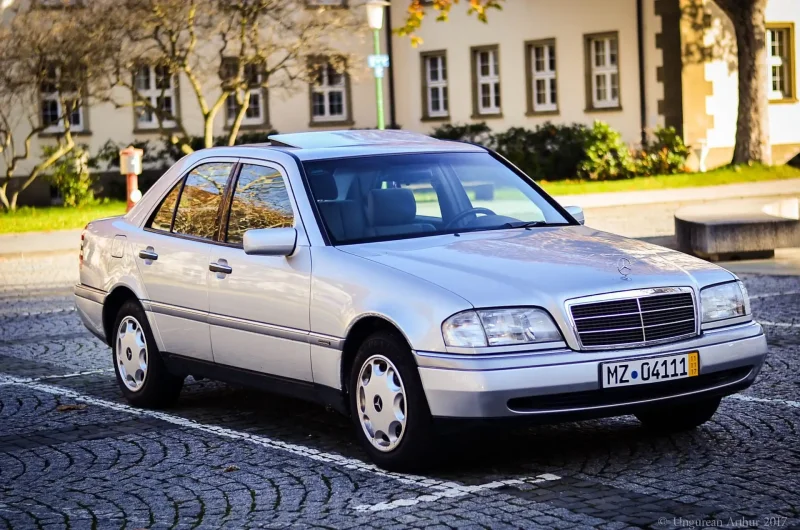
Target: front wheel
679,417
141,373
388,405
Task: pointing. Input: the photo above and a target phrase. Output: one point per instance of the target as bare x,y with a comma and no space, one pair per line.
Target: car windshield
378,198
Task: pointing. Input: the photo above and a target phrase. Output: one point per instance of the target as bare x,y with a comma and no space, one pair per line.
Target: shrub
607,156
548,152
664,154
71,176
476,133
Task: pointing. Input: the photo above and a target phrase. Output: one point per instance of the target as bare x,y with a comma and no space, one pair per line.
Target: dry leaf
230,468
67,408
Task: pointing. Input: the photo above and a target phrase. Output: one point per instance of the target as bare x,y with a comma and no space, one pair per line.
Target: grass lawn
716,177
30,219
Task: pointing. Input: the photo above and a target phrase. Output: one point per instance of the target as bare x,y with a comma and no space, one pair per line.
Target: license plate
649,370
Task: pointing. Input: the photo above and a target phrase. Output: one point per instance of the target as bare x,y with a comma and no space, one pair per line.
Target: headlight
499,327
728,300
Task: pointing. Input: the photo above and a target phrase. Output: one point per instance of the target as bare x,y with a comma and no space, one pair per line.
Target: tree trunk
4,198
752,125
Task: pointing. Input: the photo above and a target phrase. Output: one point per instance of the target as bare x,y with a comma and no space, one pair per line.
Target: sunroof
312,140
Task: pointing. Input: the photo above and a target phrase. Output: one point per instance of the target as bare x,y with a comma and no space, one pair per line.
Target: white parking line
770,295
779,324
786,402
441,489
464,490
9,380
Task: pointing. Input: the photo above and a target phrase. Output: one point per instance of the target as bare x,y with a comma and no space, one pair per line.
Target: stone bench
741,229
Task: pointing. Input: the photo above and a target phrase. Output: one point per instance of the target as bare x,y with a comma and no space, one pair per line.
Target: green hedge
576,151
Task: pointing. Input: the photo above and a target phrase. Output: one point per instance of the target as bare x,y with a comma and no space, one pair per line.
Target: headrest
323,186
395,206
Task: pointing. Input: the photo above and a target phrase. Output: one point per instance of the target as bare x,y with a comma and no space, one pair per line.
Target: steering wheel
465,213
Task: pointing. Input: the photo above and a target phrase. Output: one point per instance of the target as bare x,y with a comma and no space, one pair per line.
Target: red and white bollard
130,164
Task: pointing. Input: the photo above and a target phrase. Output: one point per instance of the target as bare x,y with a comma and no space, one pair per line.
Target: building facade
635,64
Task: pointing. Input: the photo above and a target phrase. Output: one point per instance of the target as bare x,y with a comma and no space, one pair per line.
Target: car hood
541,266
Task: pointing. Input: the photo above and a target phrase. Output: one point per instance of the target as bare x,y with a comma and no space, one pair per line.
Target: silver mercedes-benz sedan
405,281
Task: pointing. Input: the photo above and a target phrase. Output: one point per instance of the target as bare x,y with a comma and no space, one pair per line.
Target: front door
258,305
172,254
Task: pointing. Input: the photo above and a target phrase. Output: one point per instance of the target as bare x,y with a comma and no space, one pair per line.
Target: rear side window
162,220
200,199
260,201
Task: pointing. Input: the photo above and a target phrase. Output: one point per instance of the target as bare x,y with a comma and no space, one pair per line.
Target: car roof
320,145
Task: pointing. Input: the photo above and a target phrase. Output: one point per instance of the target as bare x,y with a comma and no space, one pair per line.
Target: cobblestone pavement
73,455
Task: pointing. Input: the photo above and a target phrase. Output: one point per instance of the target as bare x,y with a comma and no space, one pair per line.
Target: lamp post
377,62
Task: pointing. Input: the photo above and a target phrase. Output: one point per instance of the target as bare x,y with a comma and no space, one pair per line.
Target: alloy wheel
381,401
131,353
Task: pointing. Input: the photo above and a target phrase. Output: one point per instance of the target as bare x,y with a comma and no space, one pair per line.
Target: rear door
259,308
172,254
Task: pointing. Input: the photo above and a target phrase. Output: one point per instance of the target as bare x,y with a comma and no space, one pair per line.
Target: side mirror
577,213
270,241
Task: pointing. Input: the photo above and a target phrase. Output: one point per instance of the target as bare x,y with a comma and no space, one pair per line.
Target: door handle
148,253
219,267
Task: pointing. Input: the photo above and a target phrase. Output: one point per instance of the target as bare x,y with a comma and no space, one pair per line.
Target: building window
55,91
155,89
252,76
603,70
329,97
434,66
541,63
780,62
486,89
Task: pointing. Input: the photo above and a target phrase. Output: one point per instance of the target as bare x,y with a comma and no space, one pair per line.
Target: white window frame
152,94
607,71
438,86
492,80
547,74
780,61
325,88
54,96
232,106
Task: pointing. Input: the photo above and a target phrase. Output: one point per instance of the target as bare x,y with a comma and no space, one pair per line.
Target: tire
385,360
142,376
679,417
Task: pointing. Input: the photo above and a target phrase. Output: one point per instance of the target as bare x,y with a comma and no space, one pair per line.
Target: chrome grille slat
635,318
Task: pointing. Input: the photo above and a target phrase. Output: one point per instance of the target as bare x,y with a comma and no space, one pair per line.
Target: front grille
621,396
648,318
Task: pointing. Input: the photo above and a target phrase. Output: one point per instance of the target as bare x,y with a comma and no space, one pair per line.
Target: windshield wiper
526,224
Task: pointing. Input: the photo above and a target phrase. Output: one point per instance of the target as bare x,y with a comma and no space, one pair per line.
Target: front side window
261,200
155,90
543,76
780,45
603,59
416,195
328,95
200,200
487,75
436,86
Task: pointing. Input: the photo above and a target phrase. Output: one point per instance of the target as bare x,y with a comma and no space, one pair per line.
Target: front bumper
565,383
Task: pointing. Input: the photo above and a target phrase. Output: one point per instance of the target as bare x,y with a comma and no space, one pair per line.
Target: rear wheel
388,405
679,417
141,373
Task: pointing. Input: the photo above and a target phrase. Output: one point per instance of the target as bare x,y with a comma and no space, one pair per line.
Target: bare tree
225,49
48,60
